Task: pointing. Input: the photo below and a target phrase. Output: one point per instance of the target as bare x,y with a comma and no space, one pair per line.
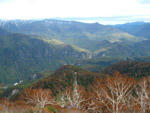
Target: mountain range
22,55
33,46
141,29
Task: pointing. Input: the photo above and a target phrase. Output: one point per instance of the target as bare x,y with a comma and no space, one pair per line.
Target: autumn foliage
110,94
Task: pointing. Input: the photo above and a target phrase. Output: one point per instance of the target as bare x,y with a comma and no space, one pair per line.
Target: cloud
4,1
27,9
144,1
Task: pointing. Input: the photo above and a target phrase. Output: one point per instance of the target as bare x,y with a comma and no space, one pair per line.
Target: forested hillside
74,56
33,46
141,29
21,56
72,89
135,69
100,40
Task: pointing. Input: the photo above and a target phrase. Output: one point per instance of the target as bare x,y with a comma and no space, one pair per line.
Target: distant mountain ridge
141,29
93,37
63,30
23,55
28,47
135,69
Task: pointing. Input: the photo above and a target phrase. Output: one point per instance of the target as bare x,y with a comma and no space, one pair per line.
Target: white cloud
25,9
144,1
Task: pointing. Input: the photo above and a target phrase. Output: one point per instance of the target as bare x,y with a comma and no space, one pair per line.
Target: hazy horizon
101,20
40,9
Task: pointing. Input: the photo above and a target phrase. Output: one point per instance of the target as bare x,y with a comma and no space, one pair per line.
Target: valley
67,61
34,46
74,56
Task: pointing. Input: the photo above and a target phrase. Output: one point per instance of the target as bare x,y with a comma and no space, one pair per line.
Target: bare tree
113,93
142,97
39,97
73,97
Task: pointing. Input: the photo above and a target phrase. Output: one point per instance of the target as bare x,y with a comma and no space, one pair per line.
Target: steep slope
68,31
135,69
100,40
123,50
115,49
21,56
3,32
65,76
140,29
97,64
143,47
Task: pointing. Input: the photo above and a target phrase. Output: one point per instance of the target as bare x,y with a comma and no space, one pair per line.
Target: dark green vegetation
135,69
141,29
108,65
40,46
66,75
98,64
21,56
93,37
99,40
56,81
67,31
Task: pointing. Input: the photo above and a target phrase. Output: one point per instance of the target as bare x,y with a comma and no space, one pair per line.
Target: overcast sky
31,9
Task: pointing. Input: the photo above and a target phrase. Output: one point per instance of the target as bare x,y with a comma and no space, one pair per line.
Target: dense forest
53,66
74,90
33,46
74,56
